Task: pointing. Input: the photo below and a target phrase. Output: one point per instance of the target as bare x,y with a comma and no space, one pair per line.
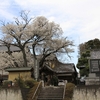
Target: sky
79,19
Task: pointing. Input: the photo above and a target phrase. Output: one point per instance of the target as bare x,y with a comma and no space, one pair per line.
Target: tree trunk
24,57
8,47
42,60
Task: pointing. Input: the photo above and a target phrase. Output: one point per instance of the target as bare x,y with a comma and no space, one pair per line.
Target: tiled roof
12,48
63,68
14,69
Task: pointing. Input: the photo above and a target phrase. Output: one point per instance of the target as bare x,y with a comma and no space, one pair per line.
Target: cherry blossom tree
48,40
14,60
40,35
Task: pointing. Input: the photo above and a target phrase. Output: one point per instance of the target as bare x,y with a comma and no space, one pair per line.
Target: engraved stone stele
94,68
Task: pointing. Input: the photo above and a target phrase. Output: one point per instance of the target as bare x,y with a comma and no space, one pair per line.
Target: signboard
95,65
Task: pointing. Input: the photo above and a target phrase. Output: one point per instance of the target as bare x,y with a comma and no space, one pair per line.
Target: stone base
92,79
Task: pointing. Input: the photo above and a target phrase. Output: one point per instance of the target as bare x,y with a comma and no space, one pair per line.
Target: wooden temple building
63,71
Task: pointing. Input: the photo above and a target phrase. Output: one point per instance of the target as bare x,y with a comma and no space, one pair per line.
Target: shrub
32,91
7,83
69,91
20,82
24,83
29,83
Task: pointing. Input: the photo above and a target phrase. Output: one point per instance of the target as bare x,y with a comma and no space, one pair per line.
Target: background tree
81,48
93,44
14,60
84,53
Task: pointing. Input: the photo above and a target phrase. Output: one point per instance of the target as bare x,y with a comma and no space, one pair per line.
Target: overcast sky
79,19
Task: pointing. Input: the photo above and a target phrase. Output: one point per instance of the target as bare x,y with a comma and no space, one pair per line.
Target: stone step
49,99
50,96
51,93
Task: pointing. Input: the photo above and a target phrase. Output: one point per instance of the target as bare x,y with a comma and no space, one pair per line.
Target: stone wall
10,94
86,93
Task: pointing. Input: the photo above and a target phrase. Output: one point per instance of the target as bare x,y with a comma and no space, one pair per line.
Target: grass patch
32,91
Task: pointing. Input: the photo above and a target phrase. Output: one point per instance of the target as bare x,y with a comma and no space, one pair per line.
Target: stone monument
94,68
